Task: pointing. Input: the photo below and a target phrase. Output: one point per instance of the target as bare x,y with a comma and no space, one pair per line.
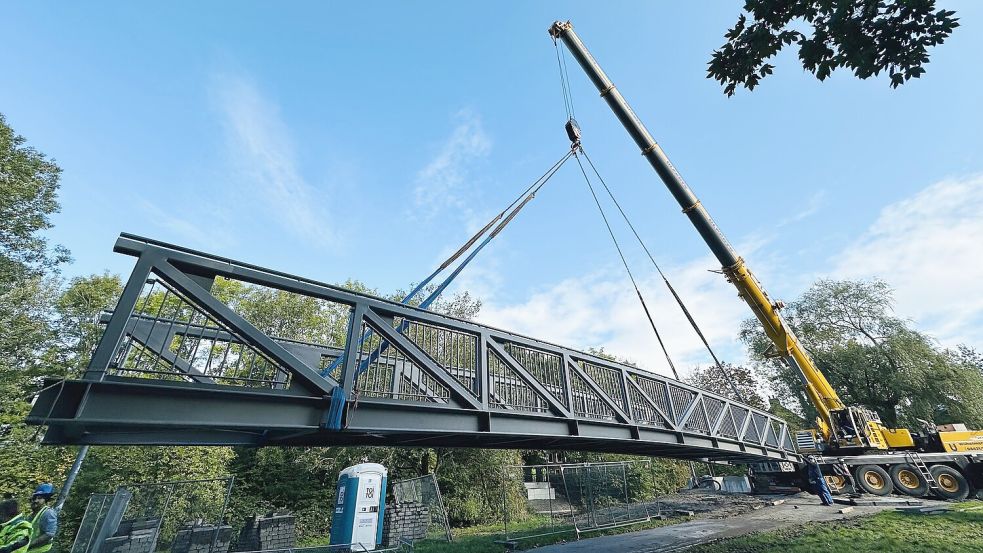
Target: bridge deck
183,362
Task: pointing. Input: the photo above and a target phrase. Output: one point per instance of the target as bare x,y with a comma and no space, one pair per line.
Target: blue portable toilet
359,506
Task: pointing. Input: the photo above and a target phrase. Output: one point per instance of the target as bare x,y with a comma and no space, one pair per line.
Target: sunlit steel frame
101,408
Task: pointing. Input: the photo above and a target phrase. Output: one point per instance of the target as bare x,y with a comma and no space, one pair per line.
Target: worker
15,531
817,481
44,519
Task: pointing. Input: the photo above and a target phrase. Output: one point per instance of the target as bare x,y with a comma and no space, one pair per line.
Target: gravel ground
709,504
717,516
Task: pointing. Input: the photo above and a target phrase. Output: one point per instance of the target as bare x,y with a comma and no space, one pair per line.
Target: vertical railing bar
153,325
484,370
169,337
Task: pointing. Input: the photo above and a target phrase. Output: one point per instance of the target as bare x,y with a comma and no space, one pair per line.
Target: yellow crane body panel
971,440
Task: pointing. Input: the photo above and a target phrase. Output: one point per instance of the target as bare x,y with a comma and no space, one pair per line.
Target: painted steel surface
178,365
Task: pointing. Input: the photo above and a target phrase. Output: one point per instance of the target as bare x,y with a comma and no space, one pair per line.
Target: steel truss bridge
183,361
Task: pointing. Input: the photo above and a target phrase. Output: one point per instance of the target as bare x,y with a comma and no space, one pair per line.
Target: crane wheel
952,483
908,480
874,480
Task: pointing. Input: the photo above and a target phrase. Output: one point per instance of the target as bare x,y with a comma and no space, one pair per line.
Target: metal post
113,517
70,477
221,516
505,503
624,476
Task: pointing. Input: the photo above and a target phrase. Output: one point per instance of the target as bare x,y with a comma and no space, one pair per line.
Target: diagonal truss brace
310,379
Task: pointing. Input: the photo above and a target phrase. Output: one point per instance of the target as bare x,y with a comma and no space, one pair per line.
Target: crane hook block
573,131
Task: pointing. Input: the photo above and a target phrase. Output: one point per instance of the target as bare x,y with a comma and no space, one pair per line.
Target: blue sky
341,141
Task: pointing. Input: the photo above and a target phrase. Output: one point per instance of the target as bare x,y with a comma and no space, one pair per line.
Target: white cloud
207,228
261,146
442,183
813,204
602,309
929,247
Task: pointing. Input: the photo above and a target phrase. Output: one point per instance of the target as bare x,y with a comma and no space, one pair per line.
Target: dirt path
796,510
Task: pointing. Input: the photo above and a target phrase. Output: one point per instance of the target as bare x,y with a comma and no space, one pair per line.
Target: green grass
957,531
481,539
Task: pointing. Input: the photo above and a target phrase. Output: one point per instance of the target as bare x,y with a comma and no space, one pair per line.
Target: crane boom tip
559,27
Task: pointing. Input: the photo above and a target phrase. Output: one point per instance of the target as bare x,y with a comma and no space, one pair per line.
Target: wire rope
624,262
564,84
689,317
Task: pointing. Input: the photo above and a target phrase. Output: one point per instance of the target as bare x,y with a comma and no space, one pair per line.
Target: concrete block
736,484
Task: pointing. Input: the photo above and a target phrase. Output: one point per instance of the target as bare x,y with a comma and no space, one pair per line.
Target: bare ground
717,516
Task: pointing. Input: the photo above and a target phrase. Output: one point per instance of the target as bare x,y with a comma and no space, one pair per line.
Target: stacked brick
198,538
409,520
133,536
269,533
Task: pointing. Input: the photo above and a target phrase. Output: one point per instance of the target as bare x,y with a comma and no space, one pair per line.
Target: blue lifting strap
338,395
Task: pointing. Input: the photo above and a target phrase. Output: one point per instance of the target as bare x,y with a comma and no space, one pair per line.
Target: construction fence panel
581,497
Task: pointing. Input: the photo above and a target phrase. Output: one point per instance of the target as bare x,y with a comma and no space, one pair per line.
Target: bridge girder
171,368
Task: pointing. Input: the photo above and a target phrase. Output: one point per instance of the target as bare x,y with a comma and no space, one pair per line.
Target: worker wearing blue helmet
44,519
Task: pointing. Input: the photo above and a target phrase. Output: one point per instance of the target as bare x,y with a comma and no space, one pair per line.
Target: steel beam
110,407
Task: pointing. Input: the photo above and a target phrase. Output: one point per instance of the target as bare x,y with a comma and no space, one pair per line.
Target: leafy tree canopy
739,383
28,198
865,36
873,357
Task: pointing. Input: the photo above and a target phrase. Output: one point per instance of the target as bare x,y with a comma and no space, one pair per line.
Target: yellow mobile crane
948,463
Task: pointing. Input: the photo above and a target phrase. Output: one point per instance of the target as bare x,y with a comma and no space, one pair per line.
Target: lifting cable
625,263
573,133
561,64
528,194
333,416
689,317
571,124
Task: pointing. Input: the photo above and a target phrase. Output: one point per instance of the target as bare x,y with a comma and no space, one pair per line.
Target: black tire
873,480
952,483
908,480
708,484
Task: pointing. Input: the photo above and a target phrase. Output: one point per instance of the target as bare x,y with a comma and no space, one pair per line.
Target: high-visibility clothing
36,532
15,530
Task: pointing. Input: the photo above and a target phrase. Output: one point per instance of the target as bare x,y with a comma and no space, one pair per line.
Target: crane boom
786,345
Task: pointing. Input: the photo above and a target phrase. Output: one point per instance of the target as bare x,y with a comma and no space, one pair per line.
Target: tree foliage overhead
873,358
865,36
28,198
735,382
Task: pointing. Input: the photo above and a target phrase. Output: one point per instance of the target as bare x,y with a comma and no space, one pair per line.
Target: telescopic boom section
749,289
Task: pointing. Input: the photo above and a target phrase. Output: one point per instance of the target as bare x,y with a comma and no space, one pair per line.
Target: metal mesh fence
181,517
579,498
92,519
417,512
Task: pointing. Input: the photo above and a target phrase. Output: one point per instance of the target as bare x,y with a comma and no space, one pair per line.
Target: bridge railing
191,319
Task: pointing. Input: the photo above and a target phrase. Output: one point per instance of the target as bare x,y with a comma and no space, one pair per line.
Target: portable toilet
359,506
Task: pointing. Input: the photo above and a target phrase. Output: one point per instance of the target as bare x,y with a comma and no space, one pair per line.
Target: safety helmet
45,490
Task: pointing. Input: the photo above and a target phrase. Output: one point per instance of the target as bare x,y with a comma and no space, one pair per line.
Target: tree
865,36
872,357
712,379
28,289
28,198
79,308
303,479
